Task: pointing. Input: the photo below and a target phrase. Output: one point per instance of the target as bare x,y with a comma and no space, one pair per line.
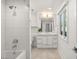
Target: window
61,31
63,23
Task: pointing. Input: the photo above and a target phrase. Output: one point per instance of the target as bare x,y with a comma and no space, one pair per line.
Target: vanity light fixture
50,8
46,14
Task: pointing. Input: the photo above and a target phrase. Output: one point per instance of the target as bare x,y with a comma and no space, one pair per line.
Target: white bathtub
12,55
22,55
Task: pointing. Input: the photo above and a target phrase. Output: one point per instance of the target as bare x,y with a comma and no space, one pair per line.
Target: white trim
65,7
0,29
62,6
29,27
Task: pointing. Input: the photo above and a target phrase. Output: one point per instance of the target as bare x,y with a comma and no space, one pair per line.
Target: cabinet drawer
53,38
55,46
42,46
50,41
39,41
46,46
42,40
53,43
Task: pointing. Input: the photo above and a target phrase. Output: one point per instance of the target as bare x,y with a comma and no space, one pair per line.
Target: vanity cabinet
47,41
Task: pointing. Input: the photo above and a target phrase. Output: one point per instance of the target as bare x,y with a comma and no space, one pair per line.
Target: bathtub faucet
14,45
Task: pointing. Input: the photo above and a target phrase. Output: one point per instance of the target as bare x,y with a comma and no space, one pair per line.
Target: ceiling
39,5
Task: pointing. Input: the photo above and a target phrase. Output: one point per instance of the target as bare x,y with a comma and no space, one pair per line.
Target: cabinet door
44,40
39,40
50,41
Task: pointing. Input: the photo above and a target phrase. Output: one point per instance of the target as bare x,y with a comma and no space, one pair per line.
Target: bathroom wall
2,26
15,25
65,47
34,18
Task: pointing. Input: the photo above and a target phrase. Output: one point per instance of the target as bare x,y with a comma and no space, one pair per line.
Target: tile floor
43,53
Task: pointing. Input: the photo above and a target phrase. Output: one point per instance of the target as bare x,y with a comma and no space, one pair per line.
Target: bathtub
14,55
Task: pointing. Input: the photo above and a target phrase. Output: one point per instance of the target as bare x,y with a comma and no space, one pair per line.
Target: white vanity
47,36
47,40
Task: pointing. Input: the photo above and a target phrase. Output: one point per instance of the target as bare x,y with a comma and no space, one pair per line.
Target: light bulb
49,8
